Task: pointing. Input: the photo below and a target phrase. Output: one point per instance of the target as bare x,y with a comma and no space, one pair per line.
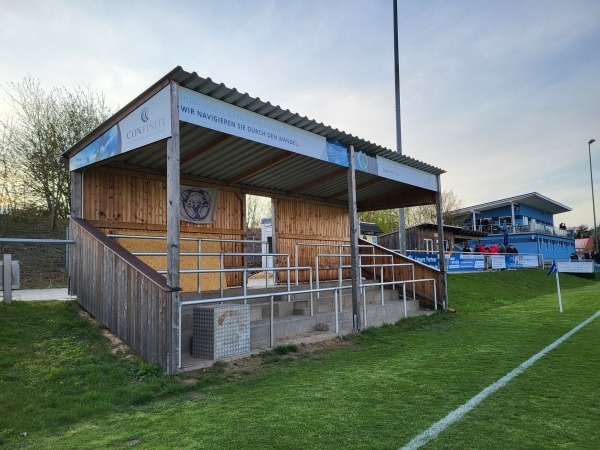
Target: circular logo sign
362,161
196,204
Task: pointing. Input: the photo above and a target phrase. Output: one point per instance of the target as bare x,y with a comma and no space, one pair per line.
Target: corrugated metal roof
243,100
210,156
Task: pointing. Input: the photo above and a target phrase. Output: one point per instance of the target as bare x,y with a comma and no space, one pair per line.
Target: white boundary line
455,415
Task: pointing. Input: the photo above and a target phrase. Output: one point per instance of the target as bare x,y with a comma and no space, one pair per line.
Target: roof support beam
260,167
206,148
358,187
335,174
411,196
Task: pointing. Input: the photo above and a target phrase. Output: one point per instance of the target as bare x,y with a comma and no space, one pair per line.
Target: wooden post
7,278
76,195
173,229
440,224
354,255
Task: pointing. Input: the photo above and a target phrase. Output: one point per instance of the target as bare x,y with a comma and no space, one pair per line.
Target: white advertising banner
575,266
498,262
149,123
214,114
395,171
198,205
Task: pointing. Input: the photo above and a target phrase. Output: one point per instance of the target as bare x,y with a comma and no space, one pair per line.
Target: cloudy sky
502,94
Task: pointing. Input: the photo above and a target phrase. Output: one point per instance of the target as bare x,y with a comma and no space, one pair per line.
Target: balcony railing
535,228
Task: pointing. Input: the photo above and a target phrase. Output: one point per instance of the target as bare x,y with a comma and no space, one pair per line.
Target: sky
503,95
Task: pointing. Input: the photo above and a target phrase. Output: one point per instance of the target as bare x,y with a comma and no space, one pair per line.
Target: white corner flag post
559,295
554,269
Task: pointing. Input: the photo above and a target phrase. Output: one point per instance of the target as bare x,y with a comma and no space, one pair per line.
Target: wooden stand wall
127,202
297,222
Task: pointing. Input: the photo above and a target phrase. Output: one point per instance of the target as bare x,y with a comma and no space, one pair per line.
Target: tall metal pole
591,141
401,216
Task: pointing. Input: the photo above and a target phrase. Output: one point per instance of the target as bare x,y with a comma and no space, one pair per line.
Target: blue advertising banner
430,259
521,261
457,262
149,123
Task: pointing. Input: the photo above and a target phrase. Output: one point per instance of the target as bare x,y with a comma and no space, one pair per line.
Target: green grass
60,384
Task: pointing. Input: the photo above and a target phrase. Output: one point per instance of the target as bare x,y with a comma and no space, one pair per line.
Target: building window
428,245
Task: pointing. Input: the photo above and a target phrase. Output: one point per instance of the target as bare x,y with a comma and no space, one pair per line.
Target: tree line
38,126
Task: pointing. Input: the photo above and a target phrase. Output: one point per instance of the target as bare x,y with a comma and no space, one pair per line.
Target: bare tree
41,127
428,213
257,208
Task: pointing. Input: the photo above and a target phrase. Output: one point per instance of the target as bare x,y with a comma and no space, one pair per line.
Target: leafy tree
41,126
582,231
387,219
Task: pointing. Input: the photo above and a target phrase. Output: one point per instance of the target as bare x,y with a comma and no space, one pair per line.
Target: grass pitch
60,386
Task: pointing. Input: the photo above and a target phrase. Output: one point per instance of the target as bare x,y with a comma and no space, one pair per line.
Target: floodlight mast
590,142
401,216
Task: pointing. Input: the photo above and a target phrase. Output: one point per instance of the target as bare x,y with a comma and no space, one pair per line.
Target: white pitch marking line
455,415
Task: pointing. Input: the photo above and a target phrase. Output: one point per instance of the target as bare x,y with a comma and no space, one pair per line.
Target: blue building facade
525,221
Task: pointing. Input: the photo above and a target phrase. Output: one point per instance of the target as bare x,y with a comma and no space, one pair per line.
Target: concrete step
285,328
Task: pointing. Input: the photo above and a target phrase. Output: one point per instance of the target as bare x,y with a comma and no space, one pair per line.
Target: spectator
501,248
466,248
574,257
493,248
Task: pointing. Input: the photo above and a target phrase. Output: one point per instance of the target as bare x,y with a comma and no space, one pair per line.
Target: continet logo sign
149,125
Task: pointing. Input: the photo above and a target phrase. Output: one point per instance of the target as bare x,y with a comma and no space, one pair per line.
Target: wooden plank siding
424,290
125,295
120,202
296,222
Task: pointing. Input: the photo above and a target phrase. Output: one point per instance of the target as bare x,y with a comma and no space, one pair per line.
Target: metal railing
245,271
199,241
338,246
336,303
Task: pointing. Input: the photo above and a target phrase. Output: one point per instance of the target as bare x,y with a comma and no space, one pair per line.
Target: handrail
222,257
312,244
199,240
187,238
126,255
304,291
36,241
245,271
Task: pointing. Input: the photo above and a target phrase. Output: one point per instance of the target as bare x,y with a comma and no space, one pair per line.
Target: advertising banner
149,123
430,259
575,266
205,111
457,262
208,112
395,171
521,261
498,261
